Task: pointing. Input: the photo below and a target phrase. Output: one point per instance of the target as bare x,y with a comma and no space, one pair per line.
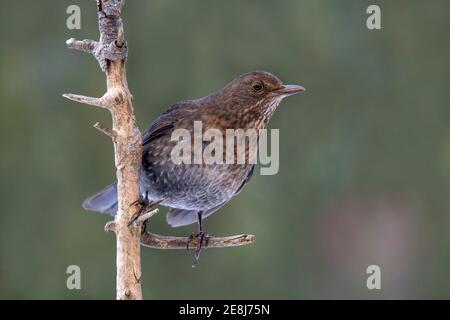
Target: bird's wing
247,179
166,121
180,217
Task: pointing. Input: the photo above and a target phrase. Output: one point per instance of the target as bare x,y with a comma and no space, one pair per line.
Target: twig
88,46
156,241
143,218
106,130
96,102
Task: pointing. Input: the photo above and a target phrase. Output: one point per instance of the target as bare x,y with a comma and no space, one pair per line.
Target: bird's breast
188,185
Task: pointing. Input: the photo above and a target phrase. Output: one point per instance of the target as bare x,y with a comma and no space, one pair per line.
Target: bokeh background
364,154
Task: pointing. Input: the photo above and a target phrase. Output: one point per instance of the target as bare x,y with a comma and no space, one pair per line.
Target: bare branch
126,137
106,130
96,102
86,45
143,218
89,46
156,241
146,210
110,226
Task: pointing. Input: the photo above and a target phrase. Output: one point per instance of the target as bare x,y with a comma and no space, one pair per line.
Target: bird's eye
257,86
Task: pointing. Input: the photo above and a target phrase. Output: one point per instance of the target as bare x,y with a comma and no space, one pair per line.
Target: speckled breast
188,186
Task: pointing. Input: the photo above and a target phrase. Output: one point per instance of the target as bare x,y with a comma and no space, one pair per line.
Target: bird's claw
142,200
145,206
202,242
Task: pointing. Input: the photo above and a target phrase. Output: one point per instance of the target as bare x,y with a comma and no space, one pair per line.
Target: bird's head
259,86
254,96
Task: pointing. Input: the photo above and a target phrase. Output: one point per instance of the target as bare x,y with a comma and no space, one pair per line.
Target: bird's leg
145,206
203,239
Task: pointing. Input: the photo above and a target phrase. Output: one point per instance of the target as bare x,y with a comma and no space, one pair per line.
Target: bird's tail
104,201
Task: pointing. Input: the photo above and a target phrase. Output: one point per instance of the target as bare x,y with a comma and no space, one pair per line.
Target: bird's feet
145,206
201,240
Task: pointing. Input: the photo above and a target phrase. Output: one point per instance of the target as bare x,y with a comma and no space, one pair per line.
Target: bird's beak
289,89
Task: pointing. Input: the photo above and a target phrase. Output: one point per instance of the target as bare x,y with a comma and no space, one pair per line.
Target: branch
111,53
88,46
107,131
96,102
156,241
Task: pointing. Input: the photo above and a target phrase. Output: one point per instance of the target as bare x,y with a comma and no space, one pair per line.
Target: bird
195,191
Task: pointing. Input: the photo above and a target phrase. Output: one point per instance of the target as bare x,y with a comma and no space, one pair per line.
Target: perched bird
195,191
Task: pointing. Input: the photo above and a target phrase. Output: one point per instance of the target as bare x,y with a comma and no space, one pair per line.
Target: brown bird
195,191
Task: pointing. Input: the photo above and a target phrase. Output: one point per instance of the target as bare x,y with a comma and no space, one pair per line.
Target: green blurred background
364,154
